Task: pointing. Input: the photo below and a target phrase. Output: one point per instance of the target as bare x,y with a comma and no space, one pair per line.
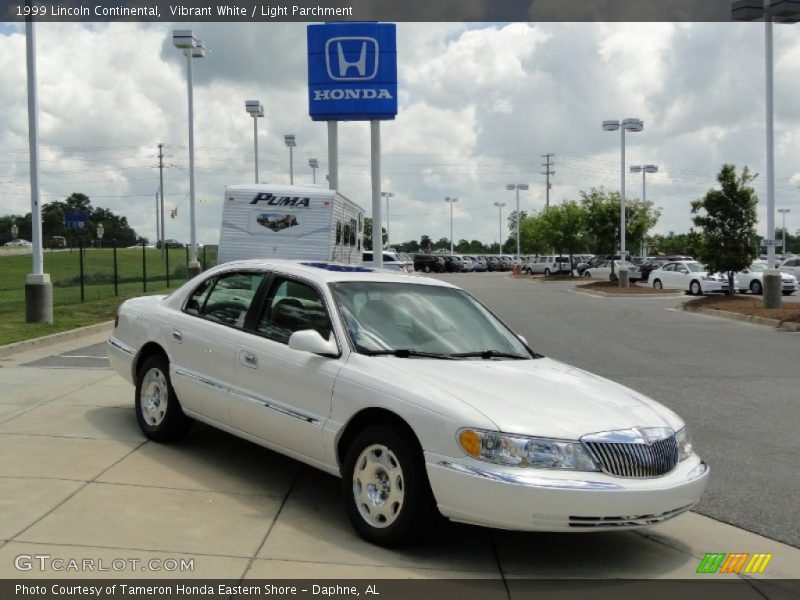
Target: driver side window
292,306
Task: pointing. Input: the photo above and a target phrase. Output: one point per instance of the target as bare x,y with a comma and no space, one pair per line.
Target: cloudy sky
479,105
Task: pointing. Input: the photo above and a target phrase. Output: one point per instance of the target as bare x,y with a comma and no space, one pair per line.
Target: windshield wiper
486,354
406,353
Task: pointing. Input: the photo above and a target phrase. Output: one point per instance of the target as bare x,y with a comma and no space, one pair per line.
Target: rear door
204,339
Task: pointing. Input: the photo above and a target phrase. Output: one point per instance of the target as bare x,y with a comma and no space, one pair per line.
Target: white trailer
296,222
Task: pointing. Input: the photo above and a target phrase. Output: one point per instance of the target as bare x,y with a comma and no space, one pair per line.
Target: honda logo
352,58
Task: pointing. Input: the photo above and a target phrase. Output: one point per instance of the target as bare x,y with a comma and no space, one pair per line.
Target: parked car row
461,263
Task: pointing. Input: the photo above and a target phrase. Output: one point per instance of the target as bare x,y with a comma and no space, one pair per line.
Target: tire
788,292
547,272
587,274
695,289
427,268
756,287
385,487
158,411
528,271
658,285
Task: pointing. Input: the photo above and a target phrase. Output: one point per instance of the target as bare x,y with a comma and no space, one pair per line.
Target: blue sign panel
76,220
352,71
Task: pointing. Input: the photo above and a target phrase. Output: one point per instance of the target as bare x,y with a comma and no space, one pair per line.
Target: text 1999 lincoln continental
411,391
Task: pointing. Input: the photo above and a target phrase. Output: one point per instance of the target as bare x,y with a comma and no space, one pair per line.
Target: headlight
684,444
515,450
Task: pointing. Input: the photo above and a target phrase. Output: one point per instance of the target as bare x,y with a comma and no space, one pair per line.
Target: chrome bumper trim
529,480
632,521
120,346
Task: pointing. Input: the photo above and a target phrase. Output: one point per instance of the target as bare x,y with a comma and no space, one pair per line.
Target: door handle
249,359
177,336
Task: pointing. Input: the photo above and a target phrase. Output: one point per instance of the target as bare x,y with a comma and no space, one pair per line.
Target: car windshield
696,267
411,319
756,268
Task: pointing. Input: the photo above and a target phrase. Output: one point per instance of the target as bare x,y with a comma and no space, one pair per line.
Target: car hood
541,397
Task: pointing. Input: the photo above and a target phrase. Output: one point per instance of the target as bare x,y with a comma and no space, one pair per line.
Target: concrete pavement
78,481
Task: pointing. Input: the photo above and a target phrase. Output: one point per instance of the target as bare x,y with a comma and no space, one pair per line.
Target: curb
756,320
54,338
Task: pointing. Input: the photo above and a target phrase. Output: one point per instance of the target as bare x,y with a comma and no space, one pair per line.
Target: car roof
329,272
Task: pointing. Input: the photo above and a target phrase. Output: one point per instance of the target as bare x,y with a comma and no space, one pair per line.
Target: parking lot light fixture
451,201
644,169
256,110
14,231
500,206
632,125
783,212
387,195
192,48
314,164
290,142
517,187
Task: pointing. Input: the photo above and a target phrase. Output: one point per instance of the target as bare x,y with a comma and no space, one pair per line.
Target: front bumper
477,492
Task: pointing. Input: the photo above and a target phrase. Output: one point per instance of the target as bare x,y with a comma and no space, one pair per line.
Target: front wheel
386,491
547,272
695,289
587,274
658,285
427,269
755,287
158,411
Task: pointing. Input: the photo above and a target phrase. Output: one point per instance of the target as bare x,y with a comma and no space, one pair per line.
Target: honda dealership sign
352,71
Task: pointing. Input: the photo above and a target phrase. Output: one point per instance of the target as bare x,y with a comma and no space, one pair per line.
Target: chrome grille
626,459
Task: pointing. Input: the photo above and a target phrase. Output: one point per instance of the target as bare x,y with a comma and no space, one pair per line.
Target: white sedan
373,377
752,279
603,270
18,243
689,276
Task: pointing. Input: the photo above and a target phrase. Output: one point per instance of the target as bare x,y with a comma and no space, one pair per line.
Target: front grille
625,459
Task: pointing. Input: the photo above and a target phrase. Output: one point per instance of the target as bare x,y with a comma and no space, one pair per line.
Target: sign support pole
333,155
377,220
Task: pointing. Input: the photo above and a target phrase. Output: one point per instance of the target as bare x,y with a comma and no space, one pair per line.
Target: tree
562,227
728,219
368,234
425,243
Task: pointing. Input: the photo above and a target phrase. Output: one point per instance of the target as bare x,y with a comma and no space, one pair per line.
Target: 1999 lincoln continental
411,391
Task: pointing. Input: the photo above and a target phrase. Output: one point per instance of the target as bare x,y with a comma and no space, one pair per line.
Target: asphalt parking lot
79,480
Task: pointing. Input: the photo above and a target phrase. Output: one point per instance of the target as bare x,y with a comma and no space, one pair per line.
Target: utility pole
161,194
547,173
158,221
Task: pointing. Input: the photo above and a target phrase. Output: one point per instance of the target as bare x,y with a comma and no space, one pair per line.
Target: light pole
100,232
38,288
290,142
192,48
500,206
786,11
517,187
451,201
783,212
14,231
644,169
632,125
314,164
387,195
256,110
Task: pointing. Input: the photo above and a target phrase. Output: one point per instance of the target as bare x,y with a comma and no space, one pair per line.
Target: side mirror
309,340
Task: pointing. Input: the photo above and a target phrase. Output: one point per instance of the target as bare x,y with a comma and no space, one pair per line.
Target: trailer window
338,232
352,238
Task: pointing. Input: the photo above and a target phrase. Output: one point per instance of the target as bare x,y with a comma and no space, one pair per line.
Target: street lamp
783,212
184,40
14,231
500,206
632,125
256,110
785,11
387,195
517,187
314,164
100,232
290,142
451,201
644,169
